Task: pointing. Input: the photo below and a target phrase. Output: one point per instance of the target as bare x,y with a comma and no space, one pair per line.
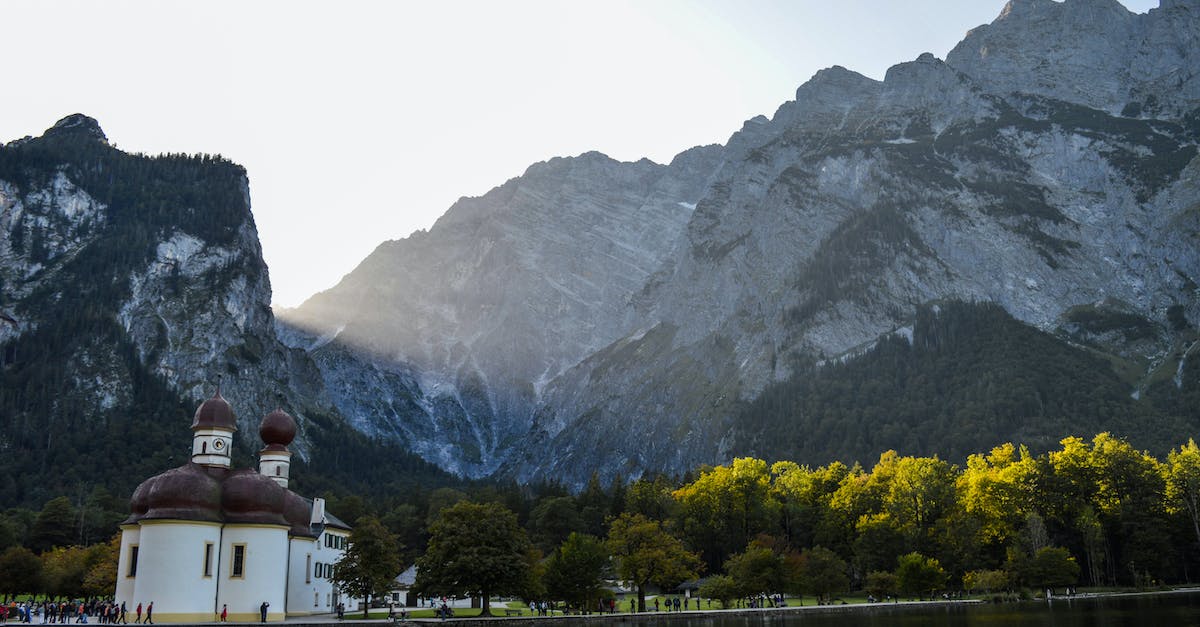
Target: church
203,537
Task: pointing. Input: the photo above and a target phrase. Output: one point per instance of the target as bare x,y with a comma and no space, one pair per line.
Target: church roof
214,493
215,413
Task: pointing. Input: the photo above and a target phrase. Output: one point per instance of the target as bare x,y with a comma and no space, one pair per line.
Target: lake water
1158,610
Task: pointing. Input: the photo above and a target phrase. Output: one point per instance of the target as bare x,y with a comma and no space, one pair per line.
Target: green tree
726,507
478,550
757,570
880,584
985,580
920,492
20,571
722,588
575,572
1049,567
552,520
370,563
996,491
650,498
919,575
823,573
647,554
593,507
55,525
63,570
1183,483
101,577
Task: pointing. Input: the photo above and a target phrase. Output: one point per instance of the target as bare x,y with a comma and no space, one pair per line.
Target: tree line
1097,512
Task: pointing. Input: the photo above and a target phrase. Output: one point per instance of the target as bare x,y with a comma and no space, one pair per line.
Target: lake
1159,610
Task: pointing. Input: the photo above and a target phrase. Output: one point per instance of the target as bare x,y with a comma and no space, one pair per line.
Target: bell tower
277,431
212,432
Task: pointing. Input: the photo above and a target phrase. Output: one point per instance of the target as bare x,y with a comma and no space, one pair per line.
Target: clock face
219,444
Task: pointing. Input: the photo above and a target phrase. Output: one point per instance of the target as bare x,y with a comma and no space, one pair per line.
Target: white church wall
171,570
264,571
130,535
304,587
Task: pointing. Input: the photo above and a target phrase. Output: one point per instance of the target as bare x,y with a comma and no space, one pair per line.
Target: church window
238,564
133,555
278,471
308,570
208,559
203,447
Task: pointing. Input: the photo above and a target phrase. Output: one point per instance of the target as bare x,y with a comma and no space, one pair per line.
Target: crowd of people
50,612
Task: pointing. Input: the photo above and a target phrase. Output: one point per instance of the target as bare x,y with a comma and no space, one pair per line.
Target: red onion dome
138,504
248,497
184,493
277,430
215,413
298,512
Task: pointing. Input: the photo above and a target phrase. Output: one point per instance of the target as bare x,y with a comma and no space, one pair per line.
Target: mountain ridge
1008,173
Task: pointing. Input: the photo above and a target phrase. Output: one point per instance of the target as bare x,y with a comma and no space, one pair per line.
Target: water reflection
1158,610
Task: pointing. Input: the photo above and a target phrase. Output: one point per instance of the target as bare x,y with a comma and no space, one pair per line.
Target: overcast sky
360,122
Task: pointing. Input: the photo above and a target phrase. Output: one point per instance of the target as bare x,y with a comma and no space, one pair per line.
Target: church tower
277,431
212,432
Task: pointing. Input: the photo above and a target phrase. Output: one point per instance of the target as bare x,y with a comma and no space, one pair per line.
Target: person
139,613
150,613
122,616
224,612
262,611
341,610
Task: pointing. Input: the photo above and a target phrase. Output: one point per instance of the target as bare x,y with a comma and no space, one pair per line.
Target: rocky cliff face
123,274
447,339
591,315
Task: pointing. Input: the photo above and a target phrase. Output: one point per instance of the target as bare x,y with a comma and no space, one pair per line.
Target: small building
202,537
401,594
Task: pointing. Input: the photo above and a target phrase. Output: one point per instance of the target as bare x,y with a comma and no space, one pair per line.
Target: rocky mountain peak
1091,52
77,125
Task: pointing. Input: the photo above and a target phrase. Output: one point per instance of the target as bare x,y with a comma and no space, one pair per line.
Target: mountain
633,317
130,286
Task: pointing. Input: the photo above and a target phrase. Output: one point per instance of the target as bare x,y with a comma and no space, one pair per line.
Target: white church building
203,537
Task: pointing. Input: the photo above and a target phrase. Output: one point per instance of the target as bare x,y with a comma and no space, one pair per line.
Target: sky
360,122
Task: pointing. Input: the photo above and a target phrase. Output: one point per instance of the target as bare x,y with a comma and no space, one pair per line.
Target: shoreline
325,620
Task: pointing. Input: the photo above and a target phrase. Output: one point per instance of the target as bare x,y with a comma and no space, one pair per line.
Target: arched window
203,447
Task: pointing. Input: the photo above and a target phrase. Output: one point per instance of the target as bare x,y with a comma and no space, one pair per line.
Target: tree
475,549
54,526
650,498
63,570
20,571
881,584
553,520
575,572
919,575
727,506
985,580
370,563
920,491
1050,567
757,570
996,491
647,554
1183,483
823,573
722,588
101,577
